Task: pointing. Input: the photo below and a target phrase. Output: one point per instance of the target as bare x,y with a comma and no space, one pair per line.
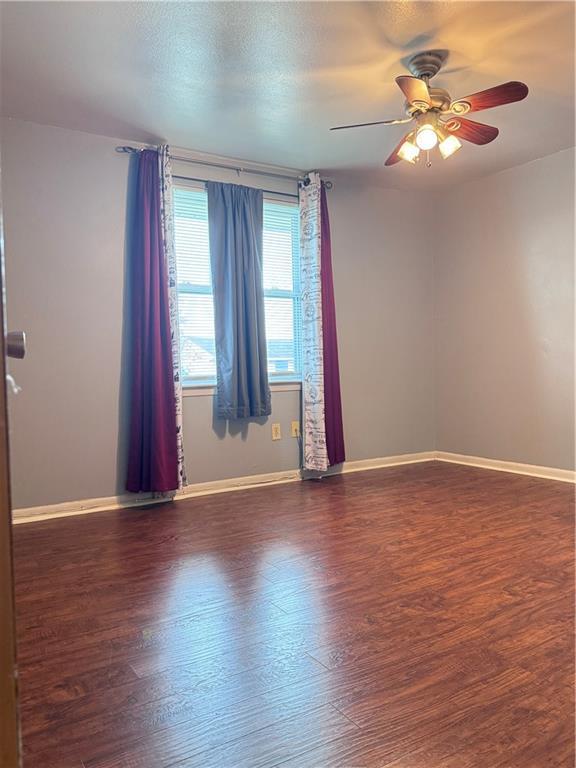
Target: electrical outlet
295,429
276,432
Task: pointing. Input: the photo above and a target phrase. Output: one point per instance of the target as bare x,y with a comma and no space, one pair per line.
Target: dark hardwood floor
415,617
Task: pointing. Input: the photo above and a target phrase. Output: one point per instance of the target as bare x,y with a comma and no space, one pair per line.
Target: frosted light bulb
409,152
426,137
449,146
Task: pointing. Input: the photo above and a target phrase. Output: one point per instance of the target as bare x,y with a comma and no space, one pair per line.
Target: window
281,266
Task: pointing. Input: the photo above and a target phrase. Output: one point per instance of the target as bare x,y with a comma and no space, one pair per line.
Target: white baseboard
239,483
81,507
549,473
386,461
124,501
86,506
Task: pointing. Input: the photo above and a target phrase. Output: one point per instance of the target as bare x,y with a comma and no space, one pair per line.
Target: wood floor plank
274,743
229,732
487,737
418,615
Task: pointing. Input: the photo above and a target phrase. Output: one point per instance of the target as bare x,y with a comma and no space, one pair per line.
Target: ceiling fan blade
378,122
415,90
506,93
394,157
477,133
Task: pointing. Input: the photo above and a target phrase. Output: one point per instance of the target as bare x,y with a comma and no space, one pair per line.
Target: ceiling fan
438,119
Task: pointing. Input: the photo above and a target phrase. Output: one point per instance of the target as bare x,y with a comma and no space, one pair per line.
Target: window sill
208,391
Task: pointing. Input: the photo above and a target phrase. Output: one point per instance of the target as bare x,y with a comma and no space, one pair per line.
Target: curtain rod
204,181
238,169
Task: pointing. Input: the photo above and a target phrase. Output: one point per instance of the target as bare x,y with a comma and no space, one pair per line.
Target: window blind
195,307
281,270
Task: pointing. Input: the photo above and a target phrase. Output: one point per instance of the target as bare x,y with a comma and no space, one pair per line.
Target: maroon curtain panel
332,399
152,452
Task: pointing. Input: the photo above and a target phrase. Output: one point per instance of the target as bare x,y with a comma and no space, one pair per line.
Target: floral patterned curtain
313,432
323,439
167,225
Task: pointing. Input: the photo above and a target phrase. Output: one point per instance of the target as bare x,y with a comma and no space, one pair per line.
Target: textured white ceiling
265,81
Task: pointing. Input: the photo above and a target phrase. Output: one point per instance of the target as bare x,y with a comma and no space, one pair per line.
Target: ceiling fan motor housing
427,64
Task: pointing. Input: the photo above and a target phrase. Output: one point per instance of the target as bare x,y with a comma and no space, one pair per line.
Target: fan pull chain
428,162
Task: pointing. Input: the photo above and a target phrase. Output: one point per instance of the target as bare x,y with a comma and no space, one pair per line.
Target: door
9,727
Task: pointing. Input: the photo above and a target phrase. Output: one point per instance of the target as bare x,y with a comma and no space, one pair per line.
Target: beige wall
505,315
64,199
64,210
384,287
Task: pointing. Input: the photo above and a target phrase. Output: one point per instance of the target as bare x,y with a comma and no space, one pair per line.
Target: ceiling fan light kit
426,137
409,151
448,146
439,119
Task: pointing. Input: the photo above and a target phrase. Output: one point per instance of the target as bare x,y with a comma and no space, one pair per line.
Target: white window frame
278,382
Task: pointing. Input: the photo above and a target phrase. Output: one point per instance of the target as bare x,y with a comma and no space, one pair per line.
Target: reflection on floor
415,617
